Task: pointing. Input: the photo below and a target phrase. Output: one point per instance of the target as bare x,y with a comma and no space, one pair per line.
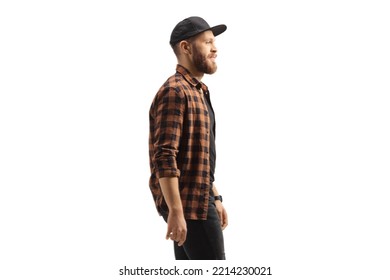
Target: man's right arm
177,227
168,114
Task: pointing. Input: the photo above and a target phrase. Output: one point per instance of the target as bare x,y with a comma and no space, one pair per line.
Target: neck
190,67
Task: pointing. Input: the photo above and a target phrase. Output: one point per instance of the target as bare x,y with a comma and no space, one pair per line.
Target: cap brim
218,29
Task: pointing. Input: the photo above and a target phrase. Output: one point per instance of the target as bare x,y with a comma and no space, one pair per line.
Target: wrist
176,209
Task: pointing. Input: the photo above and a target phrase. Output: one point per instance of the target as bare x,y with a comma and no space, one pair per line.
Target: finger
219,212
225,220
168,234
224,226
221,217
179,237
173,236
182,238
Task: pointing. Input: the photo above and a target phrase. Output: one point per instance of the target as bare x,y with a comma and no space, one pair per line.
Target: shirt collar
190,79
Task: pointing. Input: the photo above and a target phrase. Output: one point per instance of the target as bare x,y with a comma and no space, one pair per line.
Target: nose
214,48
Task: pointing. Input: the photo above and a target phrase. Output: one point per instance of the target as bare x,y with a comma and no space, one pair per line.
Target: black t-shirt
212,153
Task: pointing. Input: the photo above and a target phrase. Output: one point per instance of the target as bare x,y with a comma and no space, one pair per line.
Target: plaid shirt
179,143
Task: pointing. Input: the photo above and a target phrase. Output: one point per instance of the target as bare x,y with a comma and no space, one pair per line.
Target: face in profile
204,53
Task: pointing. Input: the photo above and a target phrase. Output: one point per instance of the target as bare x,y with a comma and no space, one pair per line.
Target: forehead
207,35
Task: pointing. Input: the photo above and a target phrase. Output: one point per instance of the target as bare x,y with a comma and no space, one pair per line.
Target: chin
212,69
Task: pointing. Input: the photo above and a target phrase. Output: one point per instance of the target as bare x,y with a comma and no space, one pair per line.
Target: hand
222,214
177,228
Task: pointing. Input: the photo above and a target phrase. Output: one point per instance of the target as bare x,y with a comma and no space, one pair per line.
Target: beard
202,64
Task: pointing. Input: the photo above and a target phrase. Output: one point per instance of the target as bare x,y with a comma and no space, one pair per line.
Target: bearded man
182,148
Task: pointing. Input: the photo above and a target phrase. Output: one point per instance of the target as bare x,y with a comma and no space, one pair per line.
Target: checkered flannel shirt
179,143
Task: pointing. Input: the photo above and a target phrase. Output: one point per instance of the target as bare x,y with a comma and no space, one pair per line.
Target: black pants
204,238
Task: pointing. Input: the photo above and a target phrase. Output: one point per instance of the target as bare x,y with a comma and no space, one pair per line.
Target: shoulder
169,95
174,86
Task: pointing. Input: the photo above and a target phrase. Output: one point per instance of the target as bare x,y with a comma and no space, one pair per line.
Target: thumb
169,230
168,234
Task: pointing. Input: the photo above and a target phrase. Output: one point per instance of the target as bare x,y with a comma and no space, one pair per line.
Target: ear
185,47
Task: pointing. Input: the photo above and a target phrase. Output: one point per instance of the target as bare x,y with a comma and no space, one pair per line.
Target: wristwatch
218,197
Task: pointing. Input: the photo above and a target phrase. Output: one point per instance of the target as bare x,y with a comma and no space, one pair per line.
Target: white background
302,107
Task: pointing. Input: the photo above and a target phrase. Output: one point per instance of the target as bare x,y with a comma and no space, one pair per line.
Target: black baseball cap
192,26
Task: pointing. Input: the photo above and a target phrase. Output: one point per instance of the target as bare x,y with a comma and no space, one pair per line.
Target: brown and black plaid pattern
179,143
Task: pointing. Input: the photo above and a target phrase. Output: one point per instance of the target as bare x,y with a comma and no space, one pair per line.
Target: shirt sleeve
167,116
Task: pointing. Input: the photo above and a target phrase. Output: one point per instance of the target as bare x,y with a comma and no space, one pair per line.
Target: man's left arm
220,209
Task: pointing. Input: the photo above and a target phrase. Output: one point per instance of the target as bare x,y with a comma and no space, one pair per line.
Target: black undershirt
212,153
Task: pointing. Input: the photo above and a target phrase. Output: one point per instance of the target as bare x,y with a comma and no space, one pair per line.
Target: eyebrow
209,39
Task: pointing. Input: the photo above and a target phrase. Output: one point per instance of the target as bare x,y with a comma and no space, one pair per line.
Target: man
182,147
